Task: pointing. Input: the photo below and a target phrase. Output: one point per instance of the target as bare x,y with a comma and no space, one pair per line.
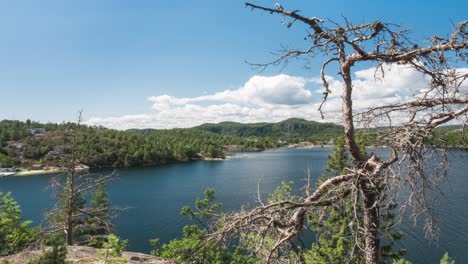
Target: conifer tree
15,234
334,233
57,255
100,223
446,259
70,214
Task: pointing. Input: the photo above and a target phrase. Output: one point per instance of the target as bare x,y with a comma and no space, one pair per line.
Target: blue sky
123,61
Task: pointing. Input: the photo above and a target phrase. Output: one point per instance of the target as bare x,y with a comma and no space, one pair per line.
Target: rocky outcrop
81,254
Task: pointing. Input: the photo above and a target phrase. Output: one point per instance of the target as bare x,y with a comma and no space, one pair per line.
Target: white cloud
274,98
258,90
397,79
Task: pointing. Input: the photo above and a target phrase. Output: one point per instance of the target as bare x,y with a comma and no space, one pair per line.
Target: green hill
293,127
21,147
452,136
31,144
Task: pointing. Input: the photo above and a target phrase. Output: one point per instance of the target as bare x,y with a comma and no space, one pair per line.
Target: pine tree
333,226
70,214
446,259
334,242
99,224
57,255
15,235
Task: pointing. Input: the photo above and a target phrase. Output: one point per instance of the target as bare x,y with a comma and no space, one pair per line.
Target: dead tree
70,213
371,178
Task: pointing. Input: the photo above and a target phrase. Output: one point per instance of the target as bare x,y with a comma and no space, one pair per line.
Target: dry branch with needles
70,213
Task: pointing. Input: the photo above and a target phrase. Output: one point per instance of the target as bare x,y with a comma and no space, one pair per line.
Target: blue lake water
153,196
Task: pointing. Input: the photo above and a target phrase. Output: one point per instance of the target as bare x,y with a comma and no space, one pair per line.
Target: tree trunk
348,123
371,224
69,229
70,204
371,216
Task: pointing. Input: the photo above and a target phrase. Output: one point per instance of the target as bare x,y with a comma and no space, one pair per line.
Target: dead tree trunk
370,178
70,212
371,224
70,197
70,191
347,107
370,209
371,219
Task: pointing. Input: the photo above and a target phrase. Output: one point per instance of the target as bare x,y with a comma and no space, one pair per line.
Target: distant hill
453,136
32,145
35,145
293,127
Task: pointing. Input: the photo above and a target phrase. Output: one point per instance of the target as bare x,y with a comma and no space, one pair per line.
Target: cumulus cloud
274,98
261,98
258,90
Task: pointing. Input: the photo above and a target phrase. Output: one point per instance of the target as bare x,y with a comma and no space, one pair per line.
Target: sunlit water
153,196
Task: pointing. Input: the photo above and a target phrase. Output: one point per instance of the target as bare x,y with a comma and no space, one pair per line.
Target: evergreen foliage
90,228
334,242
58,218
80,222
57,255
293,129
193,247
15,234
334,235
98,223
446,259
112,250
102,147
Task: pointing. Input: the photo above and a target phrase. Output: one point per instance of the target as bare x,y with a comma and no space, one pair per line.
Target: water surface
153,196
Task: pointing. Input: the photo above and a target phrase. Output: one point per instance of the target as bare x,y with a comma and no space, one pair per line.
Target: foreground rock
81,254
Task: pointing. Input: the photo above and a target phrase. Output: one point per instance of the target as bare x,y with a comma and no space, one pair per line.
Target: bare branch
372,179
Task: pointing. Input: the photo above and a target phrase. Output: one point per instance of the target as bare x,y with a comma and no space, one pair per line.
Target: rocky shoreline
82,254
47,170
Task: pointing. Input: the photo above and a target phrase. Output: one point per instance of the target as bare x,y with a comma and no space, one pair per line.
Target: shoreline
57,170
309,146
226,157
37,172
50,170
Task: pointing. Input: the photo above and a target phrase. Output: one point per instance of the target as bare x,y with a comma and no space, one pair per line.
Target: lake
153,196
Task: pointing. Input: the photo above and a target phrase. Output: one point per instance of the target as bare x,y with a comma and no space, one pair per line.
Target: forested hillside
290,130
294,130
449,136
452,136
102,147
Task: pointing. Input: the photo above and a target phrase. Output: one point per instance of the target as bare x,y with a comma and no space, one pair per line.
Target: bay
154,196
